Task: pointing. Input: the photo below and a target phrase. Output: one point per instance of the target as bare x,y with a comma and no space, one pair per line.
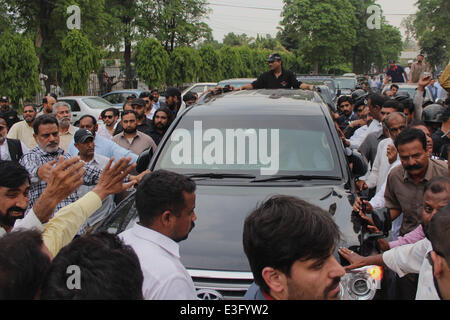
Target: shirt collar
428,173
158,238
39,150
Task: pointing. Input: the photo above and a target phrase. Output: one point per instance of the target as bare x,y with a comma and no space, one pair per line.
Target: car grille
218,285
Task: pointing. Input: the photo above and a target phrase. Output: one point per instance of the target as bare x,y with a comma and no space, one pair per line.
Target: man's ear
166,218
276,281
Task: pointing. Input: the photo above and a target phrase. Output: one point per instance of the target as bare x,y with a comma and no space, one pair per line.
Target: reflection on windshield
290,146
345,83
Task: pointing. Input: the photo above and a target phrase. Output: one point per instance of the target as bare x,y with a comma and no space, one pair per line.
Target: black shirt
10,116
396,73
286,80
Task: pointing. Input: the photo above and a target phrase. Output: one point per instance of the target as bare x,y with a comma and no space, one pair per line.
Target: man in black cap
8,113
276,78
144,124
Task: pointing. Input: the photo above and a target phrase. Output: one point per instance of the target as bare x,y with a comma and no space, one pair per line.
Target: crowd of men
58,182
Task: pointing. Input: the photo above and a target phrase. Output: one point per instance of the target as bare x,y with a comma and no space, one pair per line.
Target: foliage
19,76
236,40
175,23
211,69
232,64
184,65
79,59
432,30
152,62
321,29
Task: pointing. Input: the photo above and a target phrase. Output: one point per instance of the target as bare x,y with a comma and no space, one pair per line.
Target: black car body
226,194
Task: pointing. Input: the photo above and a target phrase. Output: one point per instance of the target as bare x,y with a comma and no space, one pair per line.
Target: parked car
345,84
409,88
117,98
311,165
199,88
236,82
320,80
82,105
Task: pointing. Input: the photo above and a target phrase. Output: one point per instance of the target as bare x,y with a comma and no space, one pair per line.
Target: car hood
215,243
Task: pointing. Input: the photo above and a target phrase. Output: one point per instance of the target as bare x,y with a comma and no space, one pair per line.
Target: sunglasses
108,117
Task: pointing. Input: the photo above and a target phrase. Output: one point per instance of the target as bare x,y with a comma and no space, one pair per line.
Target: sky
242,16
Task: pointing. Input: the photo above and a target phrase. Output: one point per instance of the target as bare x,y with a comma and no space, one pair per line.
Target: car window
112,98
342,83
73,104
97,103
304,146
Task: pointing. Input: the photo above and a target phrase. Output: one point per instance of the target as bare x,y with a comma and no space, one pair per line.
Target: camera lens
360,287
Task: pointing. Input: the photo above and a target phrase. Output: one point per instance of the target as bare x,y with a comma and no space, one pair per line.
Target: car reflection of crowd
58,183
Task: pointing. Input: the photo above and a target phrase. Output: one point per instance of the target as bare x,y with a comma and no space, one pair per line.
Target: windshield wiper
298,177
220,175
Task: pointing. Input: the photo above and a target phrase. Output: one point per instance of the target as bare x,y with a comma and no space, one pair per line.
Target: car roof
76,97
261,101
124,91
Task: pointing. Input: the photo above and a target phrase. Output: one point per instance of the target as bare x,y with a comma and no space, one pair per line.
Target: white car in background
199,88
82,105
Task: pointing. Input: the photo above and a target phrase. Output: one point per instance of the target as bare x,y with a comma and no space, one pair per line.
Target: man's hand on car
361,185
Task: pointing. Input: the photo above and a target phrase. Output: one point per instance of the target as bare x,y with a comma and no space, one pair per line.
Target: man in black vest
276,78
10,149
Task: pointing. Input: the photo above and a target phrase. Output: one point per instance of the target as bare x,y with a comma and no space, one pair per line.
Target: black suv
252,144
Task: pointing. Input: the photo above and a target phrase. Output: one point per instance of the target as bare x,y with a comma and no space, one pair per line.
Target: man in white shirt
386,153
110,119
165,203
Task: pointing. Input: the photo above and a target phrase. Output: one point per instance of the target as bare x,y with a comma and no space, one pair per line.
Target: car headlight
361,284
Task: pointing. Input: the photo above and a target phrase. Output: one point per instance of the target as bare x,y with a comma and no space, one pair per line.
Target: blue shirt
396,74
106,148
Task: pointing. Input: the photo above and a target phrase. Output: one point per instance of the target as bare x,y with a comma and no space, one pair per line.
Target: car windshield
411,91
97,103
345,83
256,145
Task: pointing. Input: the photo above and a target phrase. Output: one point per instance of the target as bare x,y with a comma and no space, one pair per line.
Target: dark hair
53,95
410,134
30,104
44,119
394,86
125,103
124,113
109,270
172,92
416,123
23,264
113,110
393,104
376,100
286,229
408,104
12,174
446,115
345,98
167,112
146,94
154,90
438,184
438,231
189,96
94,121
160,191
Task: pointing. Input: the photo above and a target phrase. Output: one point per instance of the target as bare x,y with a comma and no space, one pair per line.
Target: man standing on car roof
276,78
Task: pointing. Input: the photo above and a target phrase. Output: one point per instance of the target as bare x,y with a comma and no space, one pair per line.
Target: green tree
19,76
432,30
320,29
260,61
175,23
231,62
248,64
211,69
79,59
373,46
152,62
236,40
183,67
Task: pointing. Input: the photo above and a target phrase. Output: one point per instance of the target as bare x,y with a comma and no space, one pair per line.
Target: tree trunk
316,67
127,58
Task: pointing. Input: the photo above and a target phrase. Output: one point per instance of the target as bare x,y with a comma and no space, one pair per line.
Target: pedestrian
23,130
419,68
165,202
395,73
62,112
289,244
8,113
110,117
